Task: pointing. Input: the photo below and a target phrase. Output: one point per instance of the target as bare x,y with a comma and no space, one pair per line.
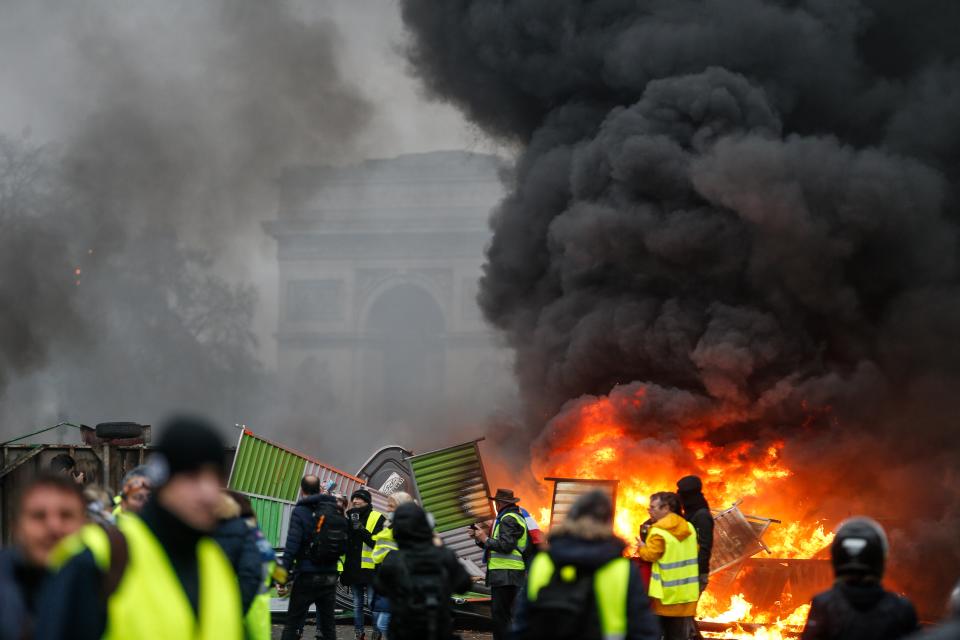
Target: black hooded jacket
239,544
414,538
859,611
697,512
588,545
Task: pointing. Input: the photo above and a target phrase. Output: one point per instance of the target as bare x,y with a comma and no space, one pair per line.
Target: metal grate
736,537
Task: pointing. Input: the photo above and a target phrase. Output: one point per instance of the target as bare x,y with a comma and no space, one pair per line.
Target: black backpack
565,610
328,539
423,600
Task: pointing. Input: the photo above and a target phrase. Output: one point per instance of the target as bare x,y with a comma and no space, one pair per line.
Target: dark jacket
239,543
414,538
302,524
353,573
20,587
859,612
588,546
506,541
72,606
697,512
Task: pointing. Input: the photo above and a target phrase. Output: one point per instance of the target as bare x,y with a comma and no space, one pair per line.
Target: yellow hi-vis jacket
610,585
514,559
366,557
675,576
257,621
385,544
149,601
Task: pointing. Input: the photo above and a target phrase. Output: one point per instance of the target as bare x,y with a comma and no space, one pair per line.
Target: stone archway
404,345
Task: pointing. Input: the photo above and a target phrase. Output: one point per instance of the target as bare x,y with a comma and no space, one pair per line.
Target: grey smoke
744,208
170,123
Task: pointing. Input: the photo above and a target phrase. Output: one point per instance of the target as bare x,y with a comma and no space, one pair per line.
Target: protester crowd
176,555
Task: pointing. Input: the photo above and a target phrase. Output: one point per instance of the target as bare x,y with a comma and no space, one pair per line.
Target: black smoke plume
741,208
123,226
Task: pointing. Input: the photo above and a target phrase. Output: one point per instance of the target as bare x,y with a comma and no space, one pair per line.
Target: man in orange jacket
671,546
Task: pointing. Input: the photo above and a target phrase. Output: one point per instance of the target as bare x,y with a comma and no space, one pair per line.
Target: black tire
119,430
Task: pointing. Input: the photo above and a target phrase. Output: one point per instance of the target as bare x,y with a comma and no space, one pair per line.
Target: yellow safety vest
514,560
385,544
366,557
149,601
257,621
611,583
675,577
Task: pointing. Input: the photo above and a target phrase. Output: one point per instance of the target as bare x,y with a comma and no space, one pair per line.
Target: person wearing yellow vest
158,575
385,544
135,492
504,552
358,565
582,587
671,546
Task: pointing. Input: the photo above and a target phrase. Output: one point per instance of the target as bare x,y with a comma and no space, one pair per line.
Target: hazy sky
46,92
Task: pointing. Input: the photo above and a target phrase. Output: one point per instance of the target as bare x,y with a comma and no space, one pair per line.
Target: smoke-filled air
170,123
729,248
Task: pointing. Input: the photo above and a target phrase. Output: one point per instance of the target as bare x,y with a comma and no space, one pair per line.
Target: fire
592,441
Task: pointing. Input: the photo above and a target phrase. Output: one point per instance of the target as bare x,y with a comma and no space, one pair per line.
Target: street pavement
345,632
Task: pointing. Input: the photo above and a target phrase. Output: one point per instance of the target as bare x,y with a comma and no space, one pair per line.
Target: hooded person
358,566
858,607
582,587
385,544
696,511
158,574
671,547
239,542
419,578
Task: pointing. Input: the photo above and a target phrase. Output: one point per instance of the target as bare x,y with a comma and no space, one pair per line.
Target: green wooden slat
451,485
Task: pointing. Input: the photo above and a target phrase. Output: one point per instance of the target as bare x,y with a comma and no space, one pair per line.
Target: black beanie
689,484
188,443
363,494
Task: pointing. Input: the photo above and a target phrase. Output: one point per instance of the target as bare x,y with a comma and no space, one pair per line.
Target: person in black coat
418,552
858,607
585,540
313,583
361,544
697,512
239,544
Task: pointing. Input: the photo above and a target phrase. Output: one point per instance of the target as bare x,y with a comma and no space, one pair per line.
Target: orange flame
589,441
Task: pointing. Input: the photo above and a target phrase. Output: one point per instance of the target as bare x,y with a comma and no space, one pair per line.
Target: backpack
328,539
424,599
565,610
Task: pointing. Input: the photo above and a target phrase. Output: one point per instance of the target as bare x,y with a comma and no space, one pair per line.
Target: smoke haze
137,158
738,220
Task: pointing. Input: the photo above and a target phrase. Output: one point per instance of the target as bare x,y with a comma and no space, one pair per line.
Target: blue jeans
383,621
362,594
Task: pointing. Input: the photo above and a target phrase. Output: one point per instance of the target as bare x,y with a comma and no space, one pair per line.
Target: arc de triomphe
378,267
